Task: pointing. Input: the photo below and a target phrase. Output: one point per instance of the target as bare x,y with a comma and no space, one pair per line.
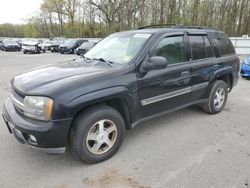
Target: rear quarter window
201,47
222,43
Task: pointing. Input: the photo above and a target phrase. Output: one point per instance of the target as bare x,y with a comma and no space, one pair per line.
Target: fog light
32,138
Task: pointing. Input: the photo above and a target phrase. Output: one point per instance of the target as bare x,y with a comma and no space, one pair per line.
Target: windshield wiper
84,57
109,63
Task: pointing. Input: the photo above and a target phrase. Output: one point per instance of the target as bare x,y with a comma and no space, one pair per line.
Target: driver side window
172,48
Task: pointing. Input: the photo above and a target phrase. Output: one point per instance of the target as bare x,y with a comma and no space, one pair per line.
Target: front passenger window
172,48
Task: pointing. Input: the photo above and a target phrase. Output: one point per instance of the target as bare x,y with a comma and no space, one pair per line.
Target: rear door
203,62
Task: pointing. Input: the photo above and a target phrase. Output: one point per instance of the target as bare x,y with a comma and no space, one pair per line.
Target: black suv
127,78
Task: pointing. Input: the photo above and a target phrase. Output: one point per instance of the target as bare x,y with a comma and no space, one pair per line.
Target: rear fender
221,72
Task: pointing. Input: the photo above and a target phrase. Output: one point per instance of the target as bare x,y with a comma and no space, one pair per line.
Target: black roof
174,28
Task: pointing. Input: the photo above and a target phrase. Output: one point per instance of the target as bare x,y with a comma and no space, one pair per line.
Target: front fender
117,92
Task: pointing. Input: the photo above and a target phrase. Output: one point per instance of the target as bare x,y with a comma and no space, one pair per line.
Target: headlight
41,107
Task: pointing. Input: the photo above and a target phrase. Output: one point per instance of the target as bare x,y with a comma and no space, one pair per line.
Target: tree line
98,18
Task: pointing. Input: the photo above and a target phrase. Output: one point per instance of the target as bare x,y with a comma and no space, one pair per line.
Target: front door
168,88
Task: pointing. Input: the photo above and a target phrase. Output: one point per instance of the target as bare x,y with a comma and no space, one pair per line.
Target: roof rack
157,25
177,26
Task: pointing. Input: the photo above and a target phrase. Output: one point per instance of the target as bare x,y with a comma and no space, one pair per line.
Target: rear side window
209,48
223,44
198,47
201,47
172,48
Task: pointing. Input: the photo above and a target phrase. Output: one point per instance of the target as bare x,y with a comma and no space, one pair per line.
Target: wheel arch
225,74
117,98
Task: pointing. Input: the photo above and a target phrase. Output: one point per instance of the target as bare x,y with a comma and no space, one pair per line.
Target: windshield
247,59
87,45
70,41
10,42
119,48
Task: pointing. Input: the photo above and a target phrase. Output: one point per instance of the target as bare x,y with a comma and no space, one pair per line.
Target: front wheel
97,134
217,98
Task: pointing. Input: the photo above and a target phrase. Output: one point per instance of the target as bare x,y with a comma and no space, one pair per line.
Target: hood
49,78
30,43
67,45
56,43
12,44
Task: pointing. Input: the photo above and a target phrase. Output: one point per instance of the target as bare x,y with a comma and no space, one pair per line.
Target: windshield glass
70,41
10,42
87,45
247,59
119,48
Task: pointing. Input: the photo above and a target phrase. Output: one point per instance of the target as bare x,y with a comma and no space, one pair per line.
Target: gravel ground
188,148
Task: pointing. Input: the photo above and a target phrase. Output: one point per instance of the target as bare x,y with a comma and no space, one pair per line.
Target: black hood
45,79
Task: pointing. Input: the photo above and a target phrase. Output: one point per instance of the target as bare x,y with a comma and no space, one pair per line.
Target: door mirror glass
155,62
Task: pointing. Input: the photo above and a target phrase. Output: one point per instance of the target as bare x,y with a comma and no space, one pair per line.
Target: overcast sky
16,11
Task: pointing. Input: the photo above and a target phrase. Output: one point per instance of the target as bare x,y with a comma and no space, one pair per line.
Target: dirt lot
188,148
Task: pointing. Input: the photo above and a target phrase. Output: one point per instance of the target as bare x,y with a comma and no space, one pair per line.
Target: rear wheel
97,134
217,98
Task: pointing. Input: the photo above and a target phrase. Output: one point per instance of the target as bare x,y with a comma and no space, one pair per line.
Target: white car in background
31,46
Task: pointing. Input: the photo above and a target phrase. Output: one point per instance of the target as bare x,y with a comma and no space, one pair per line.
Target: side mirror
154,63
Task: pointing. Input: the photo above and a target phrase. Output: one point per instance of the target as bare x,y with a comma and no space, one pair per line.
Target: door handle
185,73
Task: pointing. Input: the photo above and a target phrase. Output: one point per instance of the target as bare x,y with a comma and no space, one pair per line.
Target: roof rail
193,27
177,26
157,25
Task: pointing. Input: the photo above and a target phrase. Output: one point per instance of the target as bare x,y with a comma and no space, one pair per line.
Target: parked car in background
55,45
86,46
70,45
31,46
245,68
46,45
10,45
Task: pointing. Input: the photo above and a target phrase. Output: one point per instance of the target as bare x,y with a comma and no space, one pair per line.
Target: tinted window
172,48
209,49
223,44
198,47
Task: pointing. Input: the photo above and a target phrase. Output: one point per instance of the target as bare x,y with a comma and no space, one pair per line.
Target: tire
88,121
215,104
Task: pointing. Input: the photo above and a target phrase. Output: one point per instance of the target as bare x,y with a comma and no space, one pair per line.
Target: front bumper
245,70
30,49
54,48
66,50
12,48
81,51
51,137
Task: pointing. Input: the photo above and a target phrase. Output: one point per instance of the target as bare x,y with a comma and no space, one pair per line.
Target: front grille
82,51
